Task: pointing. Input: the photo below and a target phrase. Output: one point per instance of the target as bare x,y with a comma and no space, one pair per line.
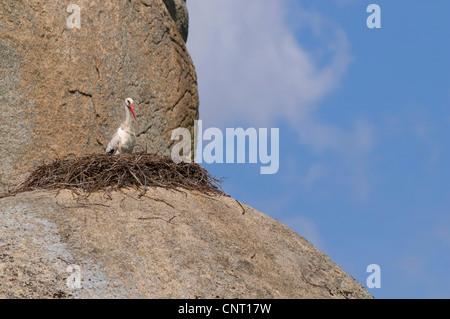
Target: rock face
62,87
166,244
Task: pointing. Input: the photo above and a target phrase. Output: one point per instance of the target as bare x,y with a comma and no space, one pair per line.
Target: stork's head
129,104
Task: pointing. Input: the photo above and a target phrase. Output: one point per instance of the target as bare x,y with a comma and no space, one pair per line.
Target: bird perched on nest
125,139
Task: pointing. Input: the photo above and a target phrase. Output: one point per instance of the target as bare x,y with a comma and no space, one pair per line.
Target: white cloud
256,68
251,67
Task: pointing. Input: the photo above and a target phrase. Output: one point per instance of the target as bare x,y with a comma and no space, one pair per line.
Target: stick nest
105,172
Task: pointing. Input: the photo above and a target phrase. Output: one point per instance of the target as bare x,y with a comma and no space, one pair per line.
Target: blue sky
364,119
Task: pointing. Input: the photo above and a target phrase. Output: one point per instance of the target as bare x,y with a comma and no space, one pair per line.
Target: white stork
125,138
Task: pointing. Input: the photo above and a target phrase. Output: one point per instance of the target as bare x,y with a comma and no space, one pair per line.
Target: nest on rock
104,172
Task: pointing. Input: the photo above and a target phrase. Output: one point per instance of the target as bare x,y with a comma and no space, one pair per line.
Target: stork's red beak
132,111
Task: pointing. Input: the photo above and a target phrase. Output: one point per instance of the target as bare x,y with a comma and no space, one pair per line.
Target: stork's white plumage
125,139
